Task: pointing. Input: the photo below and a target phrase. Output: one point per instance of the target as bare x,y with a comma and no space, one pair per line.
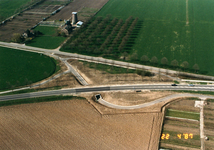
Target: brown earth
77,6
127,98
184,105
25,20
75,124
96,77
103,78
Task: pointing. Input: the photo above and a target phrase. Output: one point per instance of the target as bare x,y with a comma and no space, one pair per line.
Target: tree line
102,37
174,64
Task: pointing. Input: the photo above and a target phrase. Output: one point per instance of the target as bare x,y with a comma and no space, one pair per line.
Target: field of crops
109,37
180,30
19,68
9,7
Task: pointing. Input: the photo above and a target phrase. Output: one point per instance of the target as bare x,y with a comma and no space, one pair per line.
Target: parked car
191,85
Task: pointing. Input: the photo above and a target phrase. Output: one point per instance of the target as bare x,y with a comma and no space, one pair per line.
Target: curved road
174,96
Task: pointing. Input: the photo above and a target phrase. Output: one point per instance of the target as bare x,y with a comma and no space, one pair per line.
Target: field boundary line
184,111
169,117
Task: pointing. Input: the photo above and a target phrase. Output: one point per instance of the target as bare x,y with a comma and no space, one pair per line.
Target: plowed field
76,124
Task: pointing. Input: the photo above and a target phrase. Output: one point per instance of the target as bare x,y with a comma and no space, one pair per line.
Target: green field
164,32
18,68
48,40
182,114
9,7
64,2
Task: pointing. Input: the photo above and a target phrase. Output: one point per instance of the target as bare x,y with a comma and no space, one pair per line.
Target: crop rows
103,36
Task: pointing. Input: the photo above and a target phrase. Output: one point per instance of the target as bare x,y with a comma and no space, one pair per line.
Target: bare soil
32,16
75,124
127,98
184,105
25,20
77,6
96,77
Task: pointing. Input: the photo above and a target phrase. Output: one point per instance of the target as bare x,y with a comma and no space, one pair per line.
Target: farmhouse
67,28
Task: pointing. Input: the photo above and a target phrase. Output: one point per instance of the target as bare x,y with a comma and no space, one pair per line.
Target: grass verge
182,114
108,68
37,100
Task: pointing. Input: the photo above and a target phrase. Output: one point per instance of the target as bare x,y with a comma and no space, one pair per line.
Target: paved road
110,88
100,60
75,73
174,96
83,57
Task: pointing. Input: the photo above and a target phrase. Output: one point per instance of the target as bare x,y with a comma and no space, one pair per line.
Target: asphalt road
83,57
174,96
108,88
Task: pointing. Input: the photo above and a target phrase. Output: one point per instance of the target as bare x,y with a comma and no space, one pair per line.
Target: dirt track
75,124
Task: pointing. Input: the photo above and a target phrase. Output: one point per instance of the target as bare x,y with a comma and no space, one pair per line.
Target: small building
67,28
97,97
79,24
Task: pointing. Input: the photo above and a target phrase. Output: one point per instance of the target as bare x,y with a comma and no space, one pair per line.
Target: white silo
74,18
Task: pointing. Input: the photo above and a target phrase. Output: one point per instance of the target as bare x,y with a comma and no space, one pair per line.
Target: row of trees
102,36
164,61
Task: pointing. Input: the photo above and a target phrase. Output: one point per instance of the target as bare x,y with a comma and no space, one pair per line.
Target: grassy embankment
37,100
48,39
19,68
164,32
108,68
182,114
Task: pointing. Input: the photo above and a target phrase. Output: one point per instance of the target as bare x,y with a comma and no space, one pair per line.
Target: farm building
74,18
67,28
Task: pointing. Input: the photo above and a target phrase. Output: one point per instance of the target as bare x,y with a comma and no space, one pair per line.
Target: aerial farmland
106,74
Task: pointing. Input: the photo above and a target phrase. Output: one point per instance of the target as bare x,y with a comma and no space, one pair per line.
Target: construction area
76,124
